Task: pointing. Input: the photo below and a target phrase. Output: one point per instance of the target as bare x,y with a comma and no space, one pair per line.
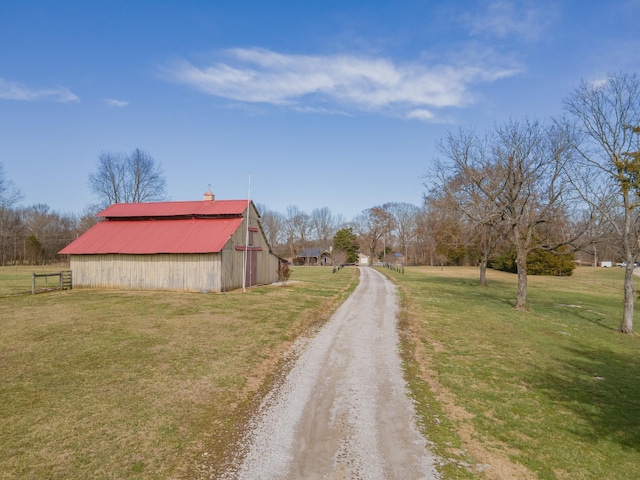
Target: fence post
33,284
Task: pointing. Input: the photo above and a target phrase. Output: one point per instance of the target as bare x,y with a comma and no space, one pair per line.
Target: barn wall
197,272
232,259
267,261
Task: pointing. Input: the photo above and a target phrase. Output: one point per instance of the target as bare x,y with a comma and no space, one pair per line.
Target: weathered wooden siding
267,261
198,272
232,259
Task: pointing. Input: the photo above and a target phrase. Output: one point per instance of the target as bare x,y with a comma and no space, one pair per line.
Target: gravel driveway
342,411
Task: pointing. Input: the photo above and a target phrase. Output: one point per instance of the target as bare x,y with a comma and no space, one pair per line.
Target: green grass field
551,393
113,384
156,385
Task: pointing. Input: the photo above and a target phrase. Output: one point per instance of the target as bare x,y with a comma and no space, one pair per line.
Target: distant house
313,256
209,245
398,259
363,259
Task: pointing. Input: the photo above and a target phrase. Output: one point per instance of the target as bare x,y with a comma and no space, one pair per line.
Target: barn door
251,268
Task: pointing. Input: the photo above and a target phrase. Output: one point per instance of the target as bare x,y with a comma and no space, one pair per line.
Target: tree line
377,232
33,235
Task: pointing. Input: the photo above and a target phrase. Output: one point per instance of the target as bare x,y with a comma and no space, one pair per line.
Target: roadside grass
153,385
550,393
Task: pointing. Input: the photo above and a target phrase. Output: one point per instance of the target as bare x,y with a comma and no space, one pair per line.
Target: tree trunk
629,255
521,298
483,272
2,213
629,298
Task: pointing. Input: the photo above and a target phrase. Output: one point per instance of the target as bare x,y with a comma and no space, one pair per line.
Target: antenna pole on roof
246,241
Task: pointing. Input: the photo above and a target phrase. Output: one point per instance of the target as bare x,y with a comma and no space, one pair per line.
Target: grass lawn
17,279
153,385
552,393
156,385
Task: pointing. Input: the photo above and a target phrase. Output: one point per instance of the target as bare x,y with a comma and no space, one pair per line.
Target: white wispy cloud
112,102
507,19
420,114
19,91
336,82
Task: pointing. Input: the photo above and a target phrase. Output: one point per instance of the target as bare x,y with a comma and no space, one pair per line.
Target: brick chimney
208,196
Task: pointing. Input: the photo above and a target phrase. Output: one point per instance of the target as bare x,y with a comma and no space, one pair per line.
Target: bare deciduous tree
372,225
444,226
132,178
273,225
10,195
473,191
298,226
87,218
519,173
608,171
405,223
324,225
424,245
52,229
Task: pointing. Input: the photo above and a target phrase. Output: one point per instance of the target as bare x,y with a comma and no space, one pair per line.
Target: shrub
284,272
505,262
539,262
542,262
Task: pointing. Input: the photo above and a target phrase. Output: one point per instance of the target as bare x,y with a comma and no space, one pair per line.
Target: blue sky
324,103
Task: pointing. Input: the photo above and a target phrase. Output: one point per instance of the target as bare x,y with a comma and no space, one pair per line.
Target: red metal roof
197,235
173,209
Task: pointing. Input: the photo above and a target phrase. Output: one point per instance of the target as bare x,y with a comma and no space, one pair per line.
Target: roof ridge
175,208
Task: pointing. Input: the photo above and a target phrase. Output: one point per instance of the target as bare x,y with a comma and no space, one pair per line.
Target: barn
207,246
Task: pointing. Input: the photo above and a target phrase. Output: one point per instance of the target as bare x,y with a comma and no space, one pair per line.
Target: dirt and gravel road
342,412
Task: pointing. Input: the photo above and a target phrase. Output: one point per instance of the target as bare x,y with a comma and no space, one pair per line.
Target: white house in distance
363,259
208,246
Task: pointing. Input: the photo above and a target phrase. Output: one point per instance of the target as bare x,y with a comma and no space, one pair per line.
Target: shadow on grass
596,320
603,389
450,281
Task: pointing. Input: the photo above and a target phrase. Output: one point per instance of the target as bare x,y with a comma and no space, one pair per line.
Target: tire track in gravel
342,412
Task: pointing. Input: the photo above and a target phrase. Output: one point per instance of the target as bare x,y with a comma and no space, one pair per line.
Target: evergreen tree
346,241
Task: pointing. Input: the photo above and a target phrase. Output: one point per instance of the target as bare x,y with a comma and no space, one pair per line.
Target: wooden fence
62,283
